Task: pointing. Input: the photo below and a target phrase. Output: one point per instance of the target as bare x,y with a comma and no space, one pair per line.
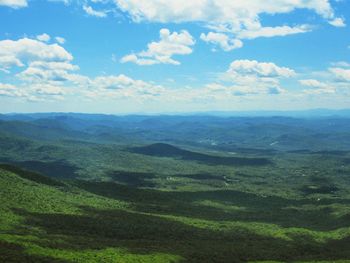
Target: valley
103,188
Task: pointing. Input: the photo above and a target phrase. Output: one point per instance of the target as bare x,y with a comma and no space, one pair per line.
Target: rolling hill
45,220
80,188
167,150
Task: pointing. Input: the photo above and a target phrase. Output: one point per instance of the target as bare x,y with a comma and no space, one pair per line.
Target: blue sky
137,56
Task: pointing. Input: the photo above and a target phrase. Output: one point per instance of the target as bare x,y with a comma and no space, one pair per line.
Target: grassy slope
83,221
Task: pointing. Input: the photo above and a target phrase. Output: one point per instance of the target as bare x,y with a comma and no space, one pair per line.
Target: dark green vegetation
98,188
166,150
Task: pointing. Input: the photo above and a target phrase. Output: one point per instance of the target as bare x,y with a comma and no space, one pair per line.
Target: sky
169,56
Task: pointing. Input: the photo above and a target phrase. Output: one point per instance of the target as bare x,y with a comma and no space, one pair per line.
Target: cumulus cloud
236,19
45,68
14,3
313,83
25,50
161,52
122,82
338,22
260,69
48,90
118,87
247,78
43,37
8,90
49,74
7,61
341,74
60,40
229,40
36,93
90,11
47,71
317,87
217,11
222,40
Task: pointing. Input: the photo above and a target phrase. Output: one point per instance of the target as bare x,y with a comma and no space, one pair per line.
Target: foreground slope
45,220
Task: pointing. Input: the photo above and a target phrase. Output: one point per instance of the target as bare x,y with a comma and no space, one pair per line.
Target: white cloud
40,71
137,60
49,74
338,22
47,68
273,31
222,40
260,69
122,82
48,90
38,92
8,90
118,87
222,91
90,11
14,3
124,87
341,64
341,74
112,82
317,87
248,78
236,19
313,83
161,52
231,40
7,61
217,11
43,37
60,40
25,50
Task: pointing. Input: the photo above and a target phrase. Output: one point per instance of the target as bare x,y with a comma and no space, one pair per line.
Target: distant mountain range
294,113
256,113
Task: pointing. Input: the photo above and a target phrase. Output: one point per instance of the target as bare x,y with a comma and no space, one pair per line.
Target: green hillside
45,220
81,188
167,150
